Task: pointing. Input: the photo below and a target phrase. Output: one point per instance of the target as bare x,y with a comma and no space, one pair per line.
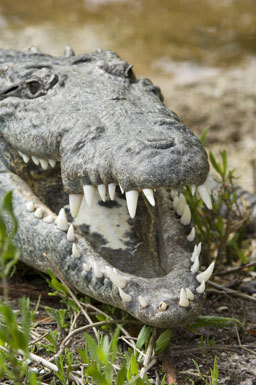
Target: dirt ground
224,101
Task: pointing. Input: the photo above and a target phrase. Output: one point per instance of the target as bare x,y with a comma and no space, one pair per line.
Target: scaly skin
100,125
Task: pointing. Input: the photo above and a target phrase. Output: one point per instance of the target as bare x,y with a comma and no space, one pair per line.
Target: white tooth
75,252
132,200
200,289
116,278
189,294
148,192
125,297
175,202
121,189
181,205
38,213
75,201
30,206
206,275
71,234
112,190
44,163
25,158
49,219
186,216
143,302
193,189
208,185
102,191
191,235
52,162
195,267
163,306
35,160
196,252
97,272
205,195
184,302
61,220
174,193
89,191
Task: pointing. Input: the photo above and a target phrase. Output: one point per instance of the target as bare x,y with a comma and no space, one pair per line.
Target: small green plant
214,373
14,334
221,229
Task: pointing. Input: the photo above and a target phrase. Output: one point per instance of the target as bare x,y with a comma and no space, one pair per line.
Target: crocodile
97,164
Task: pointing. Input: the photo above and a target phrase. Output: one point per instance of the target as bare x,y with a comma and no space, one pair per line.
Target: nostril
161,144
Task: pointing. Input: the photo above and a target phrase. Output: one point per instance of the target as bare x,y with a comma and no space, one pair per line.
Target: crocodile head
83,141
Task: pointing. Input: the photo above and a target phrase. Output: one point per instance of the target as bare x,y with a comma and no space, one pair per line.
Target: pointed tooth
143,302
71,234
206,275
30,206
38,213
200,289
186,216
191,235
43,163
193,189
24,157
61,221
102,191
174,193
196,252
35,160
75,252
52,162
195,267
184,302
181,205
116,278
175,202
121,189
132,200
49,219
21,154
148,192
124,296
75,201
208,185
111,191
189,294
205,195
89,191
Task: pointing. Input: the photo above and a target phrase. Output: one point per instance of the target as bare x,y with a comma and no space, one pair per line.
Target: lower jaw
148,287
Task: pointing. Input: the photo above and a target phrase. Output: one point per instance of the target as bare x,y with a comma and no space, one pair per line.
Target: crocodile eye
33,86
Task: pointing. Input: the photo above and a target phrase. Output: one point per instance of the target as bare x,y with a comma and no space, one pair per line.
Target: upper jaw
135,163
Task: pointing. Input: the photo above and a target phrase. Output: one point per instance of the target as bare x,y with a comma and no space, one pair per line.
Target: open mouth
134,249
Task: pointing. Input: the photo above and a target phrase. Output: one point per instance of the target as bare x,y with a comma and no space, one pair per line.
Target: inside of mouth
131,245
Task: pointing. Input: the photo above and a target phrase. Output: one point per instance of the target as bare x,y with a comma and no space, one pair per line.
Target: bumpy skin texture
103,125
